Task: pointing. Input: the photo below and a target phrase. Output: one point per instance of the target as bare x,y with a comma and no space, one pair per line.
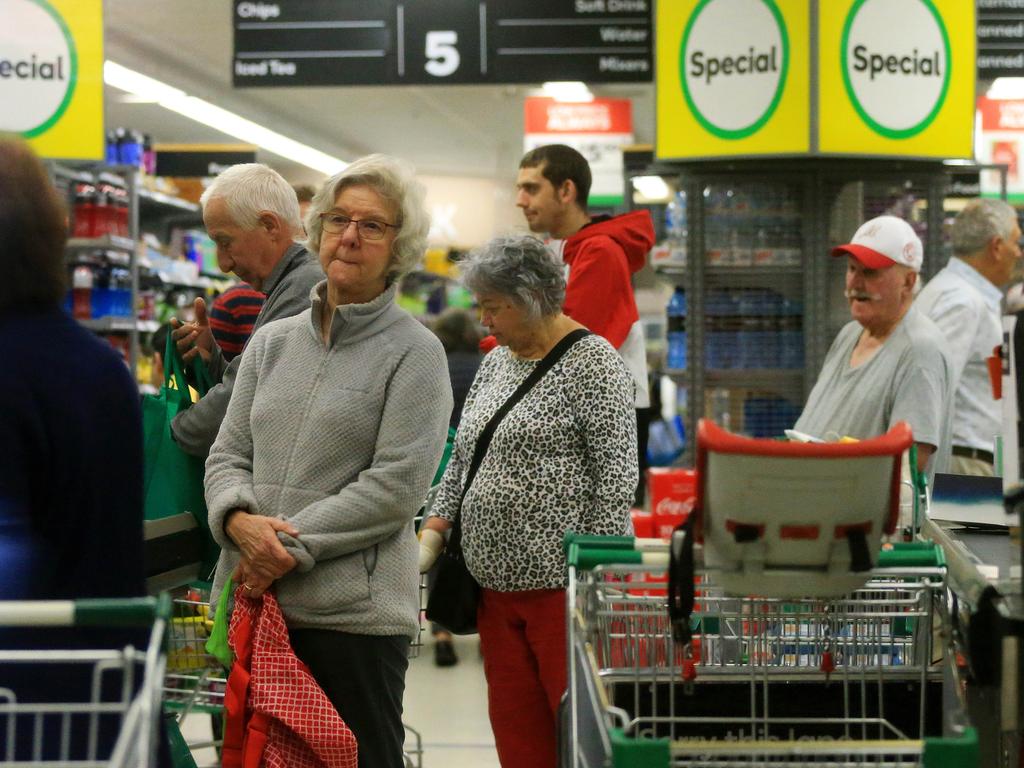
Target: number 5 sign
447,36
326,42
442,55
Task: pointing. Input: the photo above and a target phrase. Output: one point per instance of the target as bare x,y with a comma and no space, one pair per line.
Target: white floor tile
448,706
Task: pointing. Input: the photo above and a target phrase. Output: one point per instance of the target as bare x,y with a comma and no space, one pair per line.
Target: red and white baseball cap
882,242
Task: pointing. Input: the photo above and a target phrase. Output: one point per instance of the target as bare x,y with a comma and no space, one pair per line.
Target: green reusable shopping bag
217,644
173,479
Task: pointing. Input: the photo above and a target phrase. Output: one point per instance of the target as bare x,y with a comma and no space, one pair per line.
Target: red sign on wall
597,129
545,115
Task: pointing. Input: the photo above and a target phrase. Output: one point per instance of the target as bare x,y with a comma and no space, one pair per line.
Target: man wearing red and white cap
889,364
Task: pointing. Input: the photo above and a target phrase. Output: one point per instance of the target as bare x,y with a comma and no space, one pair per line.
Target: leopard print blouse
563,459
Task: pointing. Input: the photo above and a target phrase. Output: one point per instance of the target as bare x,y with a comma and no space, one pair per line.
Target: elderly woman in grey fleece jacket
334,430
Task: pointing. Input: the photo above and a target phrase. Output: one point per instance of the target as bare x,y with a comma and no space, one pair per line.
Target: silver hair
250,188
395,182
980,221
521,268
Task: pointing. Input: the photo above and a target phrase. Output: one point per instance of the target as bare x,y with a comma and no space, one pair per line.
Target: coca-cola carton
671,492
643,523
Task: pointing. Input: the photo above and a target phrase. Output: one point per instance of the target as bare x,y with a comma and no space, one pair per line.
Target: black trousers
364,677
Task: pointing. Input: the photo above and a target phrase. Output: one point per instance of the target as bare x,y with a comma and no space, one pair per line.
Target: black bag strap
484,441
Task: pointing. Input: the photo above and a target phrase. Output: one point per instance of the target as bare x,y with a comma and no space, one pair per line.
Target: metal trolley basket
195,680
865,679
83,706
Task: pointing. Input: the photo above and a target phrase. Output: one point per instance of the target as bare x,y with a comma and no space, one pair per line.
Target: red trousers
522,636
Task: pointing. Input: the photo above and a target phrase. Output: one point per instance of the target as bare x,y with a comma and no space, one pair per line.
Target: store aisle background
448,706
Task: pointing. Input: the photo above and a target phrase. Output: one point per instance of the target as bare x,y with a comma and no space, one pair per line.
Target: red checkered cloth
276,716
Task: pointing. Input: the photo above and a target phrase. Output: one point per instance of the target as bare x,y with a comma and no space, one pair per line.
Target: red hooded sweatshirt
602,258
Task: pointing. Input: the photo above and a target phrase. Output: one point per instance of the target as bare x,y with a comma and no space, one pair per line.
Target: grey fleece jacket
287,290
342,440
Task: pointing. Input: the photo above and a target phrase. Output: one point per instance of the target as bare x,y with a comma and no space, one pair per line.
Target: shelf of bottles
750,333
100,252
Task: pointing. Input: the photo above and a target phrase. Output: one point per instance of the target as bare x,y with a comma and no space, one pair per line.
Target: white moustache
863,296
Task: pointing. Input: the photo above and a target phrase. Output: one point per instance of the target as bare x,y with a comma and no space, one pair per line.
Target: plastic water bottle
672,220
720,408
676,315
81,293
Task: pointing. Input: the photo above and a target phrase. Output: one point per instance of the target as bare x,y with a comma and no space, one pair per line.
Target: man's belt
974,453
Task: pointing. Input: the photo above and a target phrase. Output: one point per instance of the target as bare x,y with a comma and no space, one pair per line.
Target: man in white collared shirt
964,301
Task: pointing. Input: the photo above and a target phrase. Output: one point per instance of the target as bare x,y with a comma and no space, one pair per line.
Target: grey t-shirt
908,379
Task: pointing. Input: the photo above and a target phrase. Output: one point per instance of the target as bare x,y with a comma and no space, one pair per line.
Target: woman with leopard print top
563,459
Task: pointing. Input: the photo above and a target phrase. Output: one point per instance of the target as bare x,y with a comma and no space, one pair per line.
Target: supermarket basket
863,679
121,696
195,680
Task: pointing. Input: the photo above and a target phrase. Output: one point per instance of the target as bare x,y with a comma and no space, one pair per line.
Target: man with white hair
964,301
888,364
252,215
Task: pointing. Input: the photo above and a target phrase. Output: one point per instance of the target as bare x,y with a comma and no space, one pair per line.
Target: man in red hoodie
600,253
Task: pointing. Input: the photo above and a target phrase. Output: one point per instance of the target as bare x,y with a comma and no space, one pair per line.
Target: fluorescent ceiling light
651,187
568,90
204,112
1006,88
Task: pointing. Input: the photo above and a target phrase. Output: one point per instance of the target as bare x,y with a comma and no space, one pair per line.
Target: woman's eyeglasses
369,229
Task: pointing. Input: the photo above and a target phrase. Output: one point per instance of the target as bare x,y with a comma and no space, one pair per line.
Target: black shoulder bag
455,595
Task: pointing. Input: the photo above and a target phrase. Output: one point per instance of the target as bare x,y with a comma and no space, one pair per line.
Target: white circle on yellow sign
896,64
38,66
733,61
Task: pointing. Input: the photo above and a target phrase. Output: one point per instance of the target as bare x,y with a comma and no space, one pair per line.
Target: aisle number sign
894,77
732,77
51,75
897,77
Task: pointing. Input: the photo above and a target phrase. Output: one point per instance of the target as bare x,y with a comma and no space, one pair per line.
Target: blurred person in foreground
459,333
252,215
888,364
563,459
333,433
71,476
965,301
71,426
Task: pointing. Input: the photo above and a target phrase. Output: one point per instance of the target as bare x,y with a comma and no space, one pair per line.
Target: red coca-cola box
643,524
671,492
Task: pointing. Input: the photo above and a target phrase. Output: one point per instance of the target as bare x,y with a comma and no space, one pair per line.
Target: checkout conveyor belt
983,564
984,573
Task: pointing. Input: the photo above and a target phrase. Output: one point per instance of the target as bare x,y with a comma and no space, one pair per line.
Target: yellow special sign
51,75
896,77
732,78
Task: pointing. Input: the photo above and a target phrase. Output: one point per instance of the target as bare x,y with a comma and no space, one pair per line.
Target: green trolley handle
112,612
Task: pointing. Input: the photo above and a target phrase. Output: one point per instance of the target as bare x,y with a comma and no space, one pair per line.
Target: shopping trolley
115,720
864,679
195,681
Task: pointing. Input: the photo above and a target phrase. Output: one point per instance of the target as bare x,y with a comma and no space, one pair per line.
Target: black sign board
964,185
1000,28
183,160
387,42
